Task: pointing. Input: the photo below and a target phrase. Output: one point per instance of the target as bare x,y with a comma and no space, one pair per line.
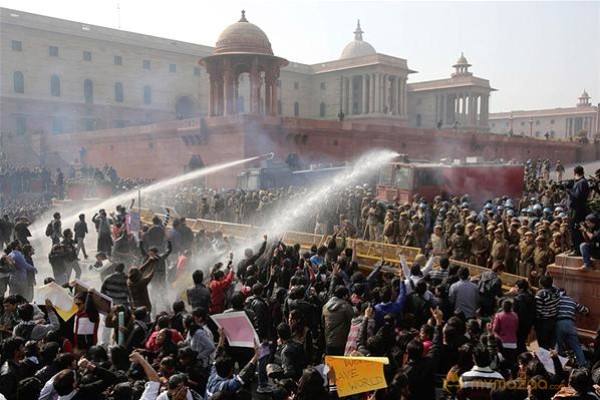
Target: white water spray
38,228
293,210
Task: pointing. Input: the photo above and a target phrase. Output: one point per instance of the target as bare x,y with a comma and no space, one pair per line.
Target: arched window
147,95
88,91
55,86
279,107
19,82
118,92
322,110
296,109
241,105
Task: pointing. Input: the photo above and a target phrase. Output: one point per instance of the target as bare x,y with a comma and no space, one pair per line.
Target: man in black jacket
421,370
524,306
11,371
250,258
578,208
159,281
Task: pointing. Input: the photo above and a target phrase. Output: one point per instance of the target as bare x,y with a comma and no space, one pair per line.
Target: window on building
173,68
493,125
537,133
296,109
146,64
88,91
241,105
278,82
19,82
16,45
552,134
537,122
20,125
147,95
196,71
118,60
419,101
90,124
87,56
119,123
552,121
522,123
279,107
322,85
322,110
58,125
53,51
296,85
118,92
55,86
418,119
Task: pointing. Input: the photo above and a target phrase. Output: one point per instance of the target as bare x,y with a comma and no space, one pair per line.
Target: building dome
243,37
358,47
462,60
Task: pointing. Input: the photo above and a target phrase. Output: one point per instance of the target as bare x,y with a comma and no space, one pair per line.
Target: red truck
481,181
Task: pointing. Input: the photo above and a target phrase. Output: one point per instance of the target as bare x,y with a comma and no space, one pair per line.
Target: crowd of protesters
445,333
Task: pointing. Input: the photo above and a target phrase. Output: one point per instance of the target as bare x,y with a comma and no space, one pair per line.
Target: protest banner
102,302
357,374
238,328
60,298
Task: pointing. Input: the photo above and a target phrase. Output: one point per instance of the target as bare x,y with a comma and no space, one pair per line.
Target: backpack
49,229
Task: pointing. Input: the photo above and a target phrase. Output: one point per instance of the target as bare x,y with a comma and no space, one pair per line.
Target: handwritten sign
238,328
357,374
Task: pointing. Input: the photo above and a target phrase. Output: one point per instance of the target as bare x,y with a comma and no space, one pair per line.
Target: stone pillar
444,113
363,108
212,101
254,88
376,92
268,87
229,90
274,95
386,94
399,95
371,93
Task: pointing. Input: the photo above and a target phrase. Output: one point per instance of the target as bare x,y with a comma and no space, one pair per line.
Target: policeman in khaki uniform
403,225
542,255
390,227
459,245
526,249
513,238
480,247
499,248
558,245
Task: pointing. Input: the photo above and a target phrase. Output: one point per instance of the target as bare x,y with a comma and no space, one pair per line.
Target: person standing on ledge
577,204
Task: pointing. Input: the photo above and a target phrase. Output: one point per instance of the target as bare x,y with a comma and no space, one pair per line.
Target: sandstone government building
62,77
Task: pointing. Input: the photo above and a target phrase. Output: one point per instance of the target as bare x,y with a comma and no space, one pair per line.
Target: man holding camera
590,248
578,208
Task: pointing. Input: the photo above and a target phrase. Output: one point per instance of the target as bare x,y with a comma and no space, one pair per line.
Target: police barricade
306,240
508,280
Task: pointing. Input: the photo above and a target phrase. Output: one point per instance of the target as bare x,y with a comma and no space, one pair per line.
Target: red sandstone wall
158,151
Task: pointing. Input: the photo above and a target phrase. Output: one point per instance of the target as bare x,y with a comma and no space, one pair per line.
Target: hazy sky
538,54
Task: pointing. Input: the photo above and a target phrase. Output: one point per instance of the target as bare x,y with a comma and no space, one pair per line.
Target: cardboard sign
357,374
102,302
60,298
239,331
546,359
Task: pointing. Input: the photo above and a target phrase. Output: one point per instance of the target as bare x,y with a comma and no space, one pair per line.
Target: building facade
61,76
570,123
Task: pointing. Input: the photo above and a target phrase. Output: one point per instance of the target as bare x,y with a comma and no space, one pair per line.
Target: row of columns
466,109
574,125
374,93
224,89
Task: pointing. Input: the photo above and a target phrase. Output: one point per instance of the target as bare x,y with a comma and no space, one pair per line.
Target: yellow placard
357,374
66,315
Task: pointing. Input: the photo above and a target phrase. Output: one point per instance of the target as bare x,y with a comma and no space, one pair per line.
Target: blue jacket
218,384
394,308
21,267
